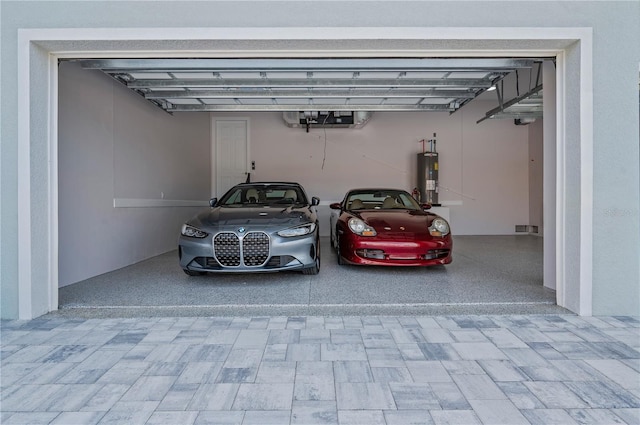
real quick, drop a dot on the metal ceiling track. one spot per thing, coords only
(340, 84)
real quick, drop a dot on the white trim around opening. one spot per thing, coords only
(67, 37)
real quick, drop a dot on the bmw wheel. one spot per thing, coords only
(315, 269)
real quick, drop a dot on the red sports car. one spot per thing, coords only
(388, 227)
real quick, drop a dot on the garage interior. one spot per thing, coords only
(140, 151)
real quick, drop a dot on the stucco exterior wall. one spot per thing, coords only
(600, 207)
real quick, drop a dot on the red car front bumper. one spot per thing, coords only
(371, 251)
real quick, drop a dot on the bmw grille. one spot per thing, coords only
(251, 250)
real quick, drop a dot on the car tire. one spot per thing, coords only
(341, 262)
(315, 269)
(192, 272)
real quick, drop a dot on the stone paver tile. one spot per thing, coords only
(303, 352)
(179, 417)
(391, 374)
(78, 418)
(555, 395)
(28, 398)
(124, 372)
(364, 396)
(520, 395)
(283, 336)
(209, 417)
(630, 416)
(314, 391)
(478, 351)
(411, 352)
(502, 370)
(437, 336)
(468, 335)
(149, 388)
(251, 339)
(428, 371)
(596, 416)
(346, 336)
(438, 351)
(334, 352)
(603, 395)
(618, 372)
(105, 398)
(274, 417)
(384, 354)
(31, 418)
(363, 417)
(178, 398)
(206, 353)
(454, 417)
(546, 351)
(414, 396)
(498, 412)
(525, 357)
(544, 373)
(222, 337)
(408, 335)
(478, 387)
(315, 336)
(275, 353)
(314, 412)
(130, 413)
(214, 397)
(449, 396)
(427, 322)
(549, 416)
(314, 371)
(17, 372)
(463, 367)
(244, 358)
(504, 338)
(230, 375)
(408, 417)
(352, 371)
(276, 372)
(264, 397)
(165, 369)
(199, 373)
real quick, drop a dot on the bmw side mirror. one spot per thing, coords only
(212, 202)
(335, 206)
(315, 201)
(426, 206)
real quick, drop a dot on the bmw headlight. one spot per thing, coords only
(361, 228)
(439, 227)
(297, 231)
(193, 232)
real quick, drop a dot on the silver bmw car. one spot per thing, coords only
(254, 227)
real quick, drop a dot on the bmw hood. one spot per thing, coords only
(252, 218)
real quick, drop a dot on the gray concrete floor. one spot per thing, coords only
(489, 275)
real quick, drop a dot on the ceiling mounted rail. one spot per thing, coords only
(359, 84)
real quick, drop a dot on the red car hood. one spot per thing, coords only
(399, 223)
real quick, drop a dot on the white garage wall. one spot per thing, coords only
(483, 167)
(116, 145)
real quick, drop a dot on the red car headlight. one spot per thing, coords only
(439, 227)
(361, 228)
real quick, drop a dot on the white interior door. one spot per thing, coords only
(232, 153)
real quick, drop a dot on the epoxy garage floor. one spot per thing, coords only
(489, 275)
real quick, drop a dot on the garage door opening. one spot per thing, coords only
(490, 184)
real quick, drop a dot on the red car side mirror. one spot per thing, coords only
(335, 206)
(426, 206)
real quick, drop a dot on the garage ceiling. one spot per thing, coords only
(306, 85)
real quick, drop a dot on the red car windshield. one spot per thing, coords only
(381, 200)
